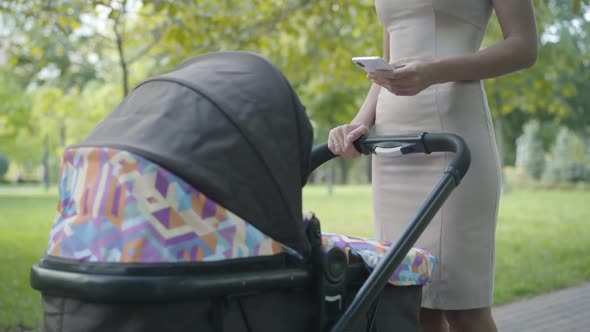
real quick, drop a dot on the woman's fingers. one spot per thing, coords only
(357, 130)
(340, 139)
(333, 144)
(391, 83)
(404, 72)
(382, 74)
(397, 87)
(336, 140)
(357, 133)
(349, 150)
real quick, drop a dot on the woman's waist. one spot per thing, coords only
(455, 88)
(441, 102)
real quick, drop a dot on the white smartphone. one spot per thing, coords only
(371, 63)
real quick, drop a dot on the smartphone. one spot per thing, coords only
(371, 63)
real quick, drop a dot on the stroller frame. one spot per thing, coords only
(326, 275)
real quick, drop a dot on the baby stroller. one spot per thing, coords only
(181, 211)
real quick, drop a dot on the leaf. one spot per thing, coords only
(37, 52)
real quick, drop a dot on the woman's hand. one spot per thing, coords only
(340, 139)
(411, 75)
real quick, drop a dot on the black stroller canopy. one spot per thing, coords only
(229, 124)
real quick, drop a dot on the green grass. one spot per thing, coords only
(347, 211)
(542, 238)
(25, 221)
(542, 242)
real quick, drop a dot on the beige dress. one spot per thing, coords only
(462, 234)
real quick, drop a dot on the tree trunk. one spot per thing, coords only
(122, 63)
(330, 184)
(62, 135)
(45, 160)
(119, 39)
(369, 168)
(344, 167)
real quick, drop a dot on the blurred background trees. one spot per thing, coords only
(65, 64)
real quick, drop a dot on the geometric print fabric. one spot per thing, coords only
(118, 207)
(416, 268)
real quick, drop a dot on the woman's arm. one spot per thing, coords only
(340, 138)
(517, 51)
(366, 114)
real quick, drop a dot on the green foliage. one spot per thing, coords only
(15, 118)
(311, 41)
(4, 163)
(552, 90)
(515, 179)
(93, 52)
(533, 158)
(568, 160)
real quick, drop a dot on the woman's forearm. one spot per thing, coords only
(508, 56)
(366, 114)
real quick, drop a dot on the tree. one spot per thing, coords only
(534, 155)
(544, 91)
(86, 48)
(47, 118)
(14, 118)
(311, 41)
(83, 37)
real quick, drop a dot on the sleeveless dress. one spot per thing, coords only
(462, 234)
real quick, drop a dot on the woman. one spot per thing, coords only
(435, 87)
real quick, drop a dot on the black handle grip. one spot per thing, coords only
(422, 143)
(322, 154)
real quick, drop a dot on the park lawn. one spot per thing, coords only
(541, 241)
(25, 221)
(542, 237)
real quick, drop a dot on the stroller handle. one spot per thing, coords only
(388, 146)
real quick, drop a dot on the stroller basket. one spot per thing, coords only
(327, 275)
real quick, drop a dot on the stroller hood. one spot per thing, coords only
(229, 124)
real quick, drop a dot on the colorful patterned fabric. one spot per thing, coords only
(416, 268)
(118, 207)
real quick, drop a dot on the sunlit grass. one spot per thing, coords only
(542, 239)
(24, 228)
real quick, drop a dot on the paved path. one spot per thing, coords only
(565, 310)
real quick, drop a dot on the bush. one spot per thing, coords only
(568, 160)
(534, 155)
(514, 178)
